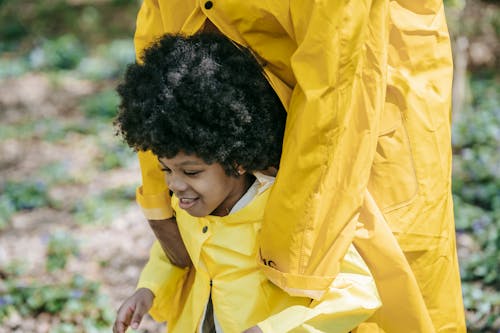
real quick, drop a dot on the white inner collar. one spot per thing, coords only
(262, 182)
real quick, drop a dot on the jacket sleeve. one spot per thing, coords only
(153, 196)
(330, 141)
(164, 280)
(350, 299)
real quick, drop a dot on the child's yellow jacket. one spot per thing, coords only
(225, 259)
(366, 154)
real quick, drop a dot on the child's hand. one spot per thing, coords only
(132, 310)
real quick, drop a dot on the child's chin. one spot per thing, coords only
(196, 213)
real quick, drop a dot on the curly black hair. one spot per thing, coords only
(202, 95)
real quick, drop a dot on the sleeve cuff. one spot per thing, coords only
(166, 300)
(173, 275)
(155, 206)
(298, 285)
(153, 287)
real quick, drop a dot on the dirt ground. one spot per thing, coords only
(122, 244)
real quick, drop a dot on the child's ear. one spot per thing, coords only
(240, 170)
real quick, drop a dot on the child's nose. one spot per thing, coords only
(176, 184)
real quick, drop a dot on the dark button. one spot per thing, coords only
(209, 4)
(205, 228)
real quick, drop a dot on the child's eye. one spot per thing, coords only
(165, 169)
(191, 172)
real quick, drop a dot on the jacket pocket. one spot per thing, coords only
(393, 182)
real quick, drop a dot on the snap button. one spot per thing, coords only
(205, 229)
(209, 4)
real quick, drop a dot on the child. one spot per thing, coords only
(203, 106)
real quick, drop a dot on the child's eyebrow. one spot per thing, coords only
(189, 163)
(185, 163)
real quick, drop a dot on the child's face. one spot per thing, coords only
(202, 189)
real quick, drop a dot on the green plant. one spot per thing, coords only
(21, 195)
(454, 3)
(13, 67)
(484, 307)
(24, 23)
(54, 172)
(114, 154)
(101, 106)
(48, 129)
(25, 195)
(60, 247)
(476, 184)
(64, 52)
(7, 209)
(77, 303)
(109, 60)
(101, 208)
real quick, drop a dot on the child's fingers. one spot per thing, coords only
(119, 327)
(132, 310)
(139, 312)
(123, 319)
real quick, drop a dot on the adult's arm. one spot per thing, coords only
(330, 140)
(168, 235)
(157, 209)
(153, 196)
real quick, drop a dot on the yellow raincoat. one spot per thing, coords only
(225, 259)
(366, 156)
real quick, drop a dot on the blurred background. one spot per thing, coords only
(72, 241)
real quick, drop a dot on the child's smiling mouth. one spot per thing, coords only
(186, 203)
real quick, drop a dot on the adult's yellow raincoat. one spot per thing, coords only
(366, 156)
(225, 256)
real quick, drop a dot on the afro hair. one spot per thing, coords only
(202, 95)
